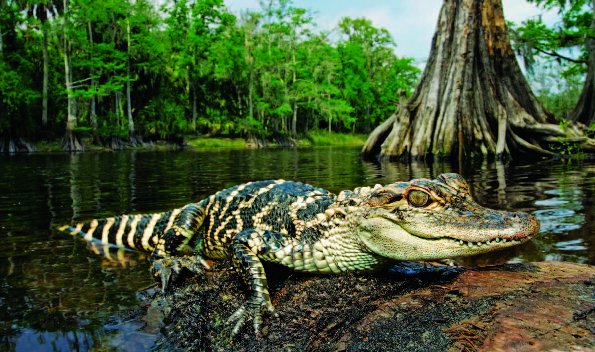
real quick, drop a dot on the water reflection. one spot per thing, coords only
(55, 294)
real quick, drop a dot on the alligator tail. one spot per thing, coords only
(139, 232)
(159, 233)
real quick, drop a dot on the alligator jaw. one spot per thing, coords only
(387, 238)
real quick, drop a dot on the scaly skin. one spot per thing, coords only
(312, 230)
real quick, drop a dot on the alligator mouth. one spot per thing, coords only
(497, 240)
(503, 240)
(494, 241)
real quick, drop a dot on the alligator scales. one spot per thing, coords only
(309, 229)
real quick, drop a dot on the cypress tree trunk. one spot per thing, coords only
(194, 109)
(131, 136)
(294, 120)
(70, 142)
(46, 73)
(472, 99)
(93, 112)
(584, 111)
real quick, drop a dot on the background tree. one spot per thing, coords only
(367, 58)
(473, 99)
(16, 74)
(116, 72)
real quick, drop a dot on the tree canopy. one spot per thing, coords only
(116, 70)
(568, 43)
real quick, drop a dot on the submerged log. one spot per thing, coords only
(472, 100)
(529, 307)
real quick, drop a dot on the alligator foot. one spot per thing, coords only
(167, 270)
(252, 310)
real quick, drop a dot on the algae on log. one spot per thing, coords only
(472, 98)
(529, 307)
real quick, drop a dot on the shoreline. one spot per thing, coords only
(314, 139)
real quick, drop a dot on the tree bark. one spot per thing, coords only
(294, 120)
(194, 109)
(472, 100)
(94, 88)
(128, 98)
(71, 142)
(46, 74)
(584, 111)
(250, 61)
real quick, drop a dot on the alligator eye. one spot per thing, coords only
(418, 198)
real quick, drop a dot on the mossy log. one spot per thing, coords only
(412, 307)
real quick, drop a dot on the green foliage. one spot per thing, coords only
(193, 67)
(557, 94)
(372, 75)
(534, 38)
(591, 131)
(16, 73)
(217, 143)
(555, 56)
(567, 148)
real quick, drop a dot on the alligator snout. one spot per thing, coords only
(529, 228)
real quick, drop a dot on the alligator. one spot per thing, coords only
(309, 229)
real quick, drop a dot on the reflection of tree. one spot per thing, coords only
(501, 191)
(75, 194)
(52, 289)
(396, 171)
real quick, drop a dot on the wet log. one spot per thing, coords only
(412, 307)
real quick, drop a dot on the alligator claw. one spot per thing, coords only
(167, 270)
(253, 310)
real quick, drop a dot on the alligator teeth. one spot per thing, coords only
(504, 240)
(471, 244)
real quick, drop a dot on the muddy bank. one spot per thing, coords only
(514, 307)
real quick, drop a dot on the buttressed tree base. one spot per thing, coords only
(472, 100)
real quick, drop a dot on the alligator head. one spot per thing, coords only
(437, 219)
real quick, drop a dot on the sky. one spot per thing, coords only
(411, 22)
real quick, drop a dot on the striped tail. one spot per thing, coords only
(140, 232)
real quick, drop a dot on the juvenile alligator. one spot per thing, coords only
(310, 229)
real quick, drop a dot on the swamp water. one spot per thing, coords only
(57, 295)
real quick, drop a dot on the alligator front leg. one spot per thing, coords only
(248, 248)
(173, 250)
(167, 270)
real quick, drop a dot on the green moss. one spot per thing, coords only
(322, 138)
(48, 146)
(217, 143)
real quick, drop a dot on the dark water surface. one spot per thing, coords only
(57, 295)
